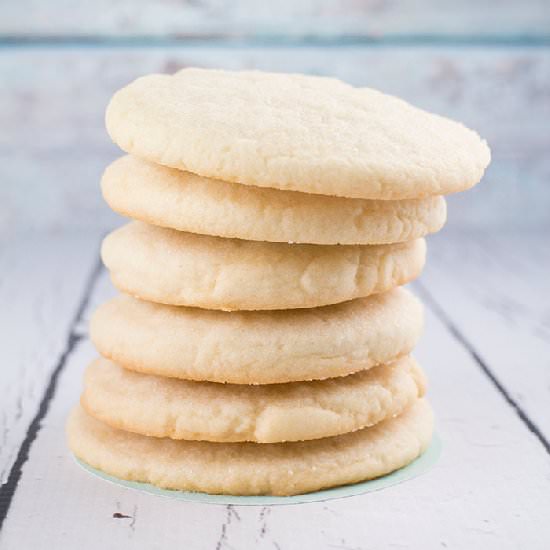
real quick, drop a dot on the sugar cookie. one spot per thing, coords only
(256, 347)
(205, 411)
(187, 202)
(253, 468)
(296, 132)
(178, 268)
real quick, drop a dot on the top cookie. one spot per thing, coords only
(294, 132)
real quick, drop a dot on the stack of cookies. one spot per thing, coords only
(261, 343)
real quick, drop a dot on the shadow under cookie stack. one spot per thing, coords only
(261, 344)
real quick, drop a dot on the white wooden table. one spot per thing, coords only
(486, 351)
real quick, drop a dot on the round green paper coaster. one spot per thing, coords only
(416, 468)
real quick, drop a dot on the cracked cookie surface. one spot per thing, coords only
(205, 411)
(179, 268)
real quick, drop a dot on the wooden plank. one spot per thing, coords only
(480, 494)
(495, 290)
(39, 287)
(503, 93)
(325, 18)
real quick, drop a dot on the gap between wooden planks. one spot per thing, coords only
(493, 290)
(480, 487)
(40, 280)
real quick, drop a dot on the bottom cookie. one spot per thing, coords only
(252, 468)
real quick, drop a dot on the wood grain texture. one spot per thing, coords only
(55, 146)
(325, 18)
(495, 289)
(480, 494)
(40, 281)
